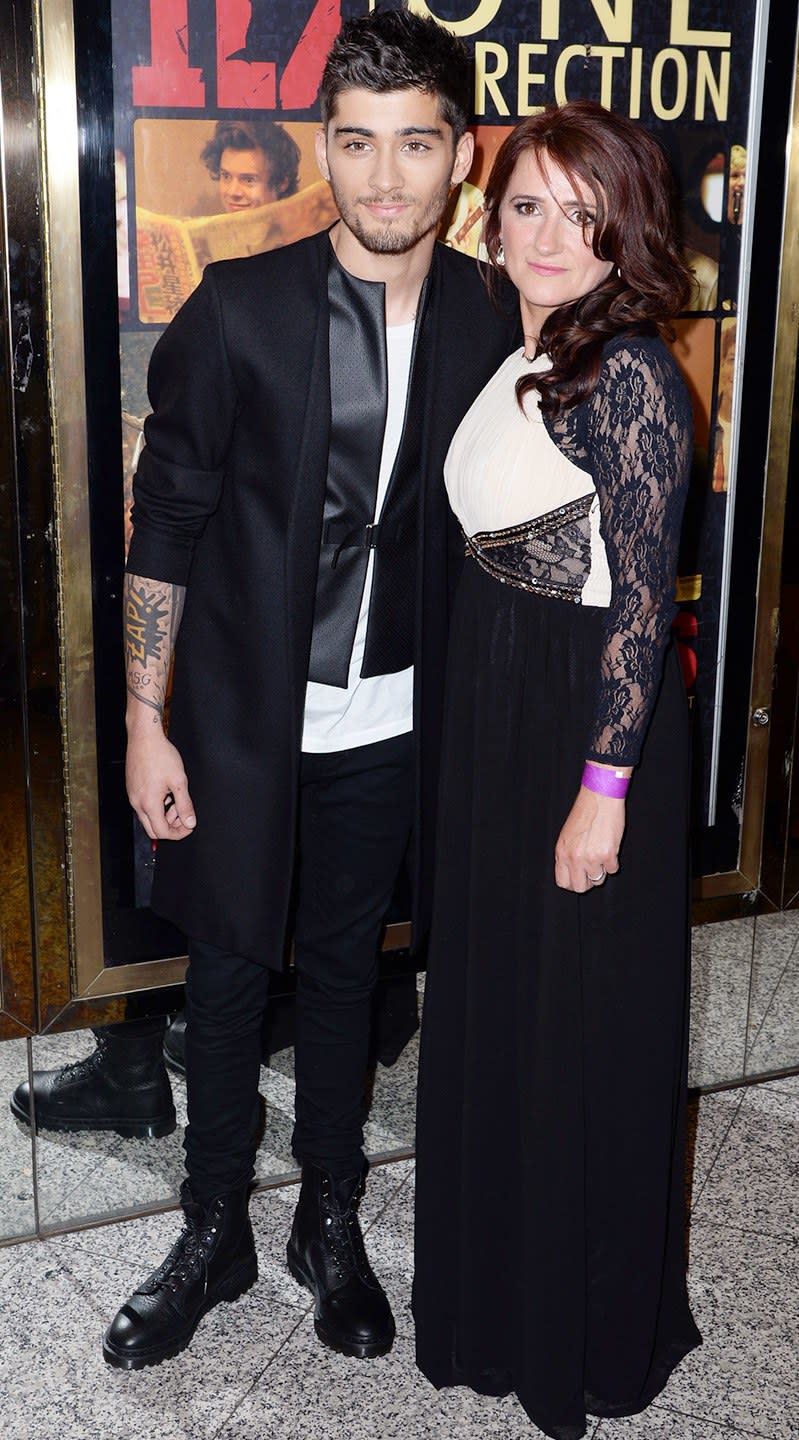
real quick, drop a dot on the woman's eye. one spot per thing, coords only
(526, 207)
(583, 217)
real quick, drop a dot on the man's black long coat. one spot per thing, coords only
(228, 501)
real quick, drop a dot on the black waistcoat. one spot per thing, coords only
(359, 398)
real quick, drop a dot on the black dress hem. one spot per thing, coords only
(498, 1385)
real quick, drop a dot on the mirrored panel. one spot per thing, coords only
(721, 961)
(17, 1203)
(772, 1037)
(745, 1019)
(90, 1172)
(110, 1104)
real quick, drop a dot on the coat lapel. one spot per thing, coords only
(305, 522)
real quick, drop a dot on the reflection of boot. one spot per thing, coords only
(122, 1086)
(175, 1044)
(326, 1254)
(213, 1259)
(278, 1033)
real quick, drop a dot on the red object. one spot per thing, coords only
(299, 83)
(240, 84)
(686, 628)
(168, 79)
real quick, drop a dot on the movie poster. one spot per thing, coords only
(215, 112)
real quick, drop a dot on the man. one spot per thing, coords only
(291, 533)
(254, 161)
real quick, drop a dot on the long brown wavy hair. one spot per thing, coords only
(629, 179)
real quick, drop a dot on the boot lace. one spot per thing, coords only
(357, 1248)
(88, 1066)
(344, 1236)
(188, 1258)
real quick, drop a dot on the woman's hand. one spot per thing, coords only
(587, 849)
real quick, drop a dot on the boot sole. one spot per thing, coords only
(357, 1349)
(232, 1289)
(155, 1129)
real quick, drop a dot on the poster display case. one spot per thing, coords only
(165, 92)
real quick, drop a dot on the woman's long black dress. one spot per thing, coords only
(550, 1252)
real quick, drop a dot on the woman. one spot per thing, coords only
(550, 1224)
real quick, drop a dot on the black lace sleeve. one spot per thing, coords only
(638, 440)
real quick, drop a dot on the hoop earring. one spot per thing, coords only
(499, 258)
(618, 272)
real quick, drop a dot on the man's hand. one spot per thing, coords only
(587, 849)
(157, 785)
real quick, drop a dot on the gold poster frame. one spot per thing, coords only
(746, 879)
(90, 980)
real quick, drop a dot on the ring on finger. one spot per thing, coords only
(169, 801)
(597, 879)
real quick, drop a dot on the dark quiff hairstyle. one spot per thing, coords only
(280, 150)
(396, 50)
(625, 173)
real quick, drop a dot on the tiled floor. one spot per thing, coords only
(256, 1372)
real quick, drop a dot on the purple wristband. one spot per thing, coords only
(605, 782)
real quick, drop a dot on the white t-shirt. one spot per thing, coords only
(382, 705)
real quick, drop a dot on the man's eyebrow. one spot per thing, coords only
(404, 132)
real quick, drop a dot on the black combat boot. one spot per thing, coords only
(175, 1044)
(122, 1086)
(326, 1254)
(213, 1259)
(278, 1033)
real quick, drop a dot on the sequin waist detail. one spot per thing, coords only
(550, 555)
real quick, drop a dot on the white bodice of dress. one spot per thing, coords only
(504, 469)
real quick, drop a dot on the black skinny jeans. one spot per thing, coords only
(355, 810)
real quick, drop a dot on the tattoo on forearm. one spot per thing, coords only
(147, 617)
(152, 616)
